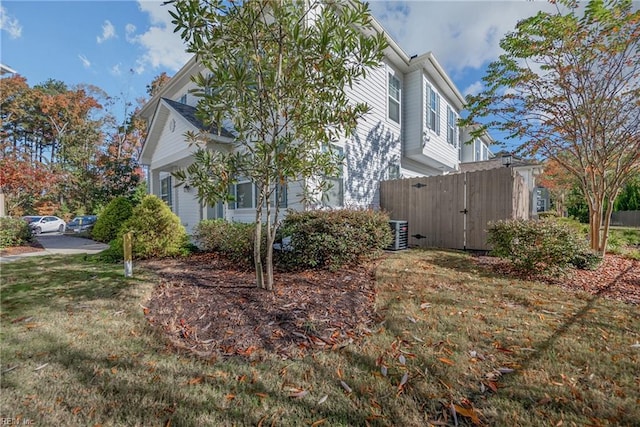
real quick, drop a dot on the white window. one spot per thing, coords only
(243, 194)
(452, 127)
(166, 193)
(433, 110)
(334, 196)
(394, 171)
(394, 98)
(281, 195)
(478, 150)
(485, 152)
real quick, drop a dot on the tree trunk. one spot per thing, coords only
(257, 249)
(270, 238)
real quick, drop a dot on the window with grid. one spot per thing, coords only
(452, 127)
(334, 196)
(433, 110)
(394, 98)
(165, 191)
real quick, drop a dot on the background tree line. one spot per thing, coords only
(63, 150)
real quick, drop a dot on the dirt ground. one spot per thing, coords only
(207, 306)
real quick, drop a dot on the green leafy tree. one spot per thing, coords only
(277, 72)
(569, 86)
(629, 198)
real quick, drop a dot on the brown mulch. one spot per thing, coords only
(615, 278)
(24, 249)
(209, 307)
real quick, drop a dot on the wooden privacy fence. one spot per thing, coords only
(452, 211)
(626, 218)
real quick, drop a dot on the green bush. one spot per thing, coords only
(14, 232)
(157, 232)
(111, 219)
(234, 240)
(547, 214)
(547, 246)
(331, 239)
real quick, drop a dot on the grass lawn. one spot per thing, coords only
(455, 345)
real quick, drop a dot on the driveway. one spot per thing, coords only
(60, 244)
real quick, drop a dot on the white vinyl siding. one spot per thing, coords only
(376, 142)
(394, 98)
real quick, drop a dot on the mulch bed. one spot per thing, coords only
(207, 306)
(24, 249)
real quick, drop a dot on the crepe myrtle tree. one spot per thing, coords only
(568, 84)
(277, 75)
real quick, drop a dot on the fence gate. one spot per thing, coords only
(452, 211)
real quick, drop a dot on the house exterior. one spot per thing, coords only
(411, 130)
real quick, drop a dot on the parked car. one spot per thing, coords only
(44, 224)
(82, 223)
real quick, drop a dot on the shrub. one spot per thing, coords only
(331, 239)
(157, 232)
(540, 245)
(547, 214)
(14, 232)
(111, 220)
(234, 240)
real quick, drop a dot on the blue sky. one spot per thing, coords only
(121, 45)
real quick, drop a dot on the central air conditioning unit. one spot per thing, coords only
(400, 230)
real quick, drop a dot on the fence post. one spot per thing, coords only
(128, 263)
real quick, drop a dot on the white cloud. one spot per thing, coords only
(115, 70)
(85, 62)
(163, 47)
(473, 89)
(10, 24)
(461, 34)
(130, 31)
(108, 32)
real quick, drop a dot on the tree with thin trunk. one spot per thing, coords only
(277, 74)
(568, 85)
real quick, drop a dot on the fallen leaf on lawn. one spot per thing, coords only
(404, 380)
(402, 359)
(262, 395)
(196, 380)
(76, 410)
(383, 370)
(345, 386)
(446, 361)
(505, 370)
(493, 386)
(298, 394)
(230, 396)
(636, 345)
(323, 399)
(40, 367)
(317, 423)
(468, 413)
